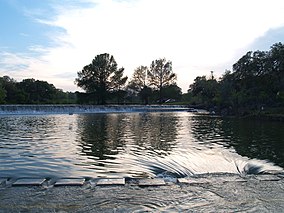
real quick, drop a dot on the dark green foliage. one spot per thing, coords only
(138, 85)
(139, 78)
(156, 84)
(257, 82)
(204, 91)
(36, 91)
(31, 91)
(145, 94)
(117, 85)
(172, 93)
(13, 94)
(2, 93)
(101, 77)
(161, 75)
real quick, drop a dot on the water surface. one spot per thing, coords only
(175, 144)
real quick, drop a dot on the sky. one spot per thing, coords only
(52, 40)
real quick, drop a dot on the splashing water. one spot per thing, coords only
(184, 164)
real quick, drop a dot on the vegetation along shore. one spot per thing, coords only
(253, 88)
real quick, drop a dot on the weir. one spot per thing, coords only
(80, 109)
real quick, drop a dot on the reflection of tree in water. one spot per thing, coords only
(257, 139)
(254, 139)
(207, 130)
(101, 134)
(154, 131)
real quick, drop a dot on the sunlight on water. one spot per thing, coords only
(136, 145)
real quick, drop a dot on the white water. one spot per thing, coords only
(79, 109)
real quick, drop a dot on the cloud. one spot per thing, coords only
(13, 62)
(272, 36)
(198, 36)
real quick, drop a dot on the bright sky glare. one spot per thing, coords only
(52, 40)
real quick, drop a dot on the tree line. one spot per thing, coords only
(255, 82)
(31, 91)
(105, 83)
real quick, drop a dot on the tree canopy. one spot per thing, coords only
(156, 82)
(138, 84)
(160, 75)
(100, 77)
(31, 91)
(256, 82)
(139, 79)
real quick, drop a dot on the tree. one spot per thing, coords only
(117, 83)
(277, 63)
(36, 91)
(138, 83)
(139, 77)
(204, 91)
(172, 92)
(13, 94)
(97, 77)
(259, 77)
(161, 75)
(2, 93)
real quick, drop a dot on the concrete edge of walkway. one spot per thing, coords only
(142, 182)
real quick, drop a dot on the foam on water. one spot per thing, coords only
(79, 109)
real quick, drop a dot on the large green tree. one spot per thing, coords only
(160, 75)
(204, 90)
(259, 77)
(36, 91)
(98, 77)
(138, 83)
(256, 83)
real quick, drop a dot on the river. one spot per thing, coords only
(137, 144)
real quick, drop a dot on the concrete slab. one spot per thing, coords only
(267, 177)
(70, 182)
(29, 182)
(193, 180)
(111, 181)
(151, 182)
(216, 179)
(229, 179)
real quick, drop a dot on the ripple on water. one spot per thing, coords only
(132, 145)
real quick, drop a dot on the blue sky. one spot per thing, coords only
(52, 40)
(19, 28)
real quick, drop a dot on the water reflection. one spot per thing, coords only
(105, 135)
(257, 139)
(251, 138)
(136, 145)
(101, 134)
